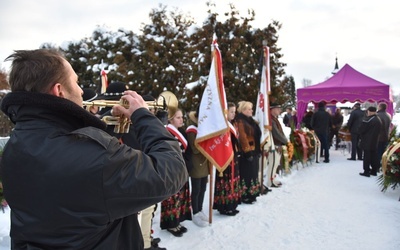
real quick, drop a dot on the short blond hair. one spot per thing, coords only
(242, 105)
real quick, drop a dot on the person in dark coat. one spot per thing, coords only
(321, 122)
(198, 174)
(354, 123)
(369, 131)
(69, 184)
(386, 120)
(114, 92)
(287, 118)
(306, 121)
(337, 121)
(293, 122)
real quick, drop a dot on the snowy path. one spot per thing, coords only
(321, 206)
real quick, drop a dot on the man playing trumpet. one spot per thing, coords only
(69, 184)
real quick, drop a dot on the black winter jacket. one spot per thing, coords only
(386, 121)
(321, 121)
(355, 120)
(70, 185)
(369, 132)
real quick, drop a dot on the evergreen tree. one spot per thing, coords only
(289, 96)
(164, 63)
(111, 51)
(241, 50)
(169, 54)
(3, 80)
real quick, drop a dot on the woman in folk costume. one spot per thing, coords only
(177, 208)
(249, 147)
(198, 174)
(227, 191)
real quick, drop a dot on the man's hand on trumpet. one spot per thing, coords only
(135, 102)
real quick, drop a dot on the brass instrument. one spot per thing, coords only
(166, 101)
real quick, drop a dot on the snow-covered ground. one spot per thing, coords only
(320, 206)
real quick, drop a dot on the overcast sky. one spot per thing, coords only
(363, 33)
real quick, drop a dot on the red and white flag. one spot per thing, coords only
(262, 109)
(213, 135)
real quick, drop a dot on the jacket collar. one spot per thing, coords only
(20, 106)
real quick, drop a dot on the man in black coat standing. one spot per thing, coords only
(369, 131)
(354, 123)
(337, 121)
(386, 120)
(321, 122)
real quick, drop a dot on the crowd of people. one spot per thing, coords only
(370, 129)
(369, 132)
(90, 186)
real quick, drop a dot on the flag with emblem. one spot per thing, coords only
(262, 108)
(213, 137)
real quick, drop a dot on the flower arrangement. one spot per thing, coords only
(391, 166)
(311, 144)
(304, 145)
(290, 149)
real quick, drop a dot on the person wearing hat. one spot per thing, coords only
(177, 208)
(161, 114)
(250, 151)
(287, 118)
(198, 174)
(280, 140)
(147, 214)
(114, 92)
(321, 122)
(369, 132)
(354, 123)
(227, 183)
(386, 120)
(337, 121)
(306, 121)
(88, 96)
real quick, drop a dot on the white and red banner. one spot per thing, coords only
(213, 134)
(262, 109)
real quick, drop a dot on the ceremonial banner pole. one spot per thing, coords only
(213, 139)
(262, 109)
(210, 170)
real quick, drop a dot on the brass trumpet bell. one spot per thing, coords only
(166, 101)
(169, 101)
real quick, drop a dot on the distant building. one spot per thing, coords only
(336, 69)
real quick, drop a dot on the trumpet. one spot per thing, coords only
(166, 101)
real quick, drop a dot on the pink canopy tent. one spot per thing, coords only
(347, 85)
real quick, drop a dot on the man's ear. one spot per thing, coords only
(57, 90)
